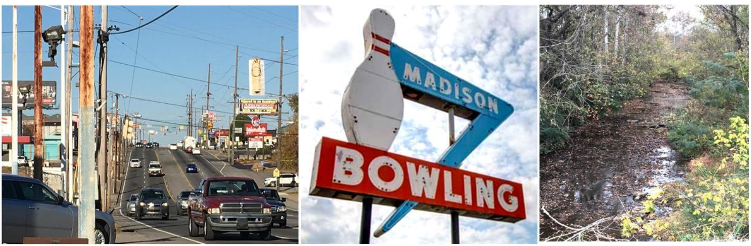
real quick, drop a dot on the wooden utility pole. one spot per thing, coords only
(102, 153)
(206, 119)
(279, 109)
(234, 114)
(86, 133)
(38, 116)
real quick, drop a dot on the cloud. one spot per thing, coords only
(493, 47)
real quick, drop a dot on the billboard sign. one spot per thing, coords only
(255, 142)
(221, 132)
(6, 128)
(258, 106)
(49, 93)
(345, 170)
(257, 77)
(255, 127)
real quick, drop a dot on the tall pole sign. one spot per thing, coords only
(372, 111)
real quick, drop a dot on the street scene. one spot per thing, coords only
(150, 124)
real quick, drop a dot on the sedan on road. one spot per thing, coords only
(135, 163)
(32, 209)
(132, 204)
(182, 201)
(173, 146)
(196, 151)
(191, 168)
(152, 202)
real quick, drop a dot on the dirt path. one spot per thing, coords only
(611, 164)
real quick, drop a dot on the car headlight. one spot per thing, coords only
(267, 210)
(213, 210)
(165, 204)
(184, 202)
(143, 204)
(281, 208)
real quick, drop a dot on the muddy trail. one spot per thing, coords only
(610, 165)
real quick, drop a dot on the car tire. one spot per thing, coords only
(100, 229)
(283, 223)
(265, 234)
(138, 215)
(208, 233)
(292, 184)
(165, 217)
(192, 227)
(244, 234)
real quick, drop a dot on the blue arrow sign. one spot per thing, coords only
(489, 111)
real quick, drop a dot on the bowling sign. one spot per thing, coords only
(349, 171)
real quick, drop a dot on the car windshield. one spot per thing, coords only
(184, 194)
(133, 198)
(134, 160)
(154, 165)
(233, 187)
(270, 194)
(152, 194)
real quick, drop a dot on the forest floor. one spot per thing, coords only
(609, 166)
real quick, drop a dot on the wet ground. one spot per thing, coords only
(610, 165)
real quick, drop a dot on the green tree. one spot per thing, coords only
(289, 136)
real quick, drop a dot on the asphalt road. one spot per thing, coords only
(175, 180)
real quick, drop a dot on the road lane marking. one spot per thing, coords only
(156, 229)
(181, 170)
(212, 165)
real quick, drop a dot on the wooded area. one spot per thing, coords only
(593, 59)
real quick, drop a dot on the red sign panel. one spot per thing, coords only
(348, 171)
(221, 132)
(259, 130)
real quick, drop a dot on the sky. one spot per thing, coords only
(494, 48)
(672, 11)
(182, 42)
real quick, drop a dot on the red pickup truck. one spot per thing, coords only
(228, 204)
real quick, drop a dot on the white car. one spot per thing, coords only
(180, 145)
(22, 160)
(196, 151)
(173, 146)
(135, 163)
(155, 169)
(285, 179)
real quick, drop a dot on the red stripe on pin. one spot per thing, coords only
(379, 49)
(379, 38)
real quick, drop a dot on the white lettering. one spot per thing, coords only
(456, 91)
(492, 105)
(430, 80)
(375, 179)
(479, 100)
(347, 166)
(412, 74)
(422, 180)
(449, 195)
(513, 203)
(467, 97)
(467, 190)
(484, 193)
(445, 86)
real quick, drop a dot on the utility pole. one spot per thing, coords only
(206, 119)
(68, 132)
(190, 113)
(38, 116)
(234, 113)
(63, 101)
(102, 152)
(86, 132)
(14, 97)
(279, 109)
(118, 147)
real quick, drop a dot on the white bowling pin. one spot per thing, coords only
(372, 105)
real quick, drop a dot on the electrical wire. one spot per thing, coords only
(133, 74)
(147, 23)
(172, 74)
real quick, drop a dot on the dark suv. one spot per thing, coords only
(182, 202)
(152, 202)
(278, 208)
(32, 209)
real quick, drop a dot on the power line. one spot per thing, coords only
(261, 19)
(135, 61)
(147, 23)
(152, 63)
(134, 13)
(172, 74)
(280, 17)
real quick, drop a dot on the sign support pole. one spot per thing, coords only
(454, 213)
(367, 212)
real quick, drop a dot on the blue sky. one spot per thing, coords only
(183, 42)
(492, 47)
